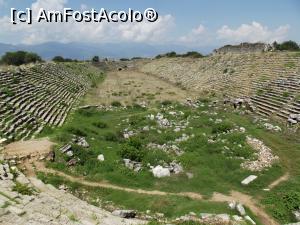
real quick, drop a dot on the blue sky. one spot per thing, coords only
(189, 22)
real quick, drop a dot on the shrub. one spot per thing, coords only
(291, 200)
(166, 102)
(286, 94)
(7, 91)
(77, 131)
(130, 152)
(100, 124)
(116, 104)
(23, 189)
(222, 127)
(109, 136)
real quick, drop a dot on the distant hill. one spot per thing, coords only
(86, 51)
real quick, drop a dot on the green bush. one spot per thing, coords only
(116, 104)
(130, 152)
(100, 124)
(109, 136)
(222, 127)
(23, 189)
(77, 131)
(291, 200)
(166, 102)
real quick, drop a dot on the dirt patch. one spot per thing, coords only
(130, 87)
(25, 148)
(283, 178)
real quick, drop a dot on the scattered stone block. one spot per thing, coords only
(241, 210)
(248, 180)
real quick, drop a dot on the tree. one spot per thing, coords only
(287, 45)
(20, 57)
(58, 59)
(95, 59)
(31, 57)
(193, 54)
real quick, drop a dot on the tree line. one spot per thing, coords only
(22, 57)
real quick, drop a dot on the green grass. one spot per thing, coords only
(171, 206)
(290, 65)
(213, 168)
(23, 189)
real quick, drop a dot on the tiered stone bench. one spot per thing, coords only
(34, 97)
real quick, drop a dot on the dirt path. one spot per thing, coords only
(246, 200)
(129, 86)
(44, 146)
(249, 202)
(283, 178)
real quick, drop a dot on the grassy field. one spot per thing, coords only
(213, 169)
(171, 206)
(129, 87)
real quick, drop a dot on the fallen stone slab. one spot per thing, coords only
(241, 210)
(248, 180)
(248, 218)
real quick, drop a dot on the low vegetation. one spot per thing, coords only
(214, 166)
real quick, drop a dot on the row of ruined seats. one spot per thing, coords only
(35, 98)
(279, 97)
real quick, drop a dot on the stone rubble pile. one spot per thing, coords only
(69, 151)
(133, 165)
(168, 148)
(265, 157)
(294, 119)
(271, 127)
(166, 170)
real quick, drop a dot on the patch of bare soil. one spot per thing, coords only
(129, 86)
(26, 148)
(281, 179)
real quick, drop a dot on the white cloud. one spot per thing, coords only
(2, 2)
(199, 36)
(83, 32)
(254, 32)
